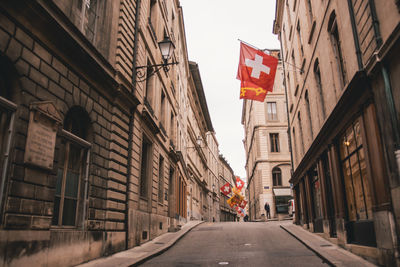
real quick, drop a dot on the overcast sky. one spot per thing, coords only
(213, 28)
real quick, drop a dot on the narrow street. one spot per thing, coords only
(238, 244)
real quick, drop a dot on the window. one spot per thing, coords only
(308, 108)
(309, 9)
(271, 111)
(161, 180)
(274, 140)
(317, 76)
(295, 71)
(145, 168)
(294, 143)
(150, 85)
(84, 13)
(153, 18)
(301, 133)
(276, 176)
(172, 128)
(299, 37)
(334, 32)
(163, 112)
(71, 183)
(359, 202)
(8, 75)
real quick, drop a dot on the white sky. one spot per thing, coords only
(213, 28)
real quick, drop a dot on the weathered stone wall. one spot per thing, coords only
(43, 75)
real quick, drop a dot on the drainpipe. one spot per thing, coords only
(287, 109)
(355, 35)
(388, 86)
(86, 189)
(131, 120)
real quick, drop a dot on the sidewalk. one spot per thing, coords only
(139, 254)
(331, 253)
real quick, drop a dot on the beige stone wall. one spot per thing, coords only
(259, 159)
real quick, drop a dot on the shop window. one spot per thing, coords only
(72, 177)
(354, 166)
(316, 199)
(276, 176)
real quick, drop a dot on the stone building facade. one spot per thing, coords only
(343, 120)
(92, 139)
(198, 127)
(267, 151)
(213, 163)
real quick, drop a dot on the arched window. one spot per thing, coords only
(337, 46)
(276, 176)
(318, 80)
(72, 173)
(8, 76)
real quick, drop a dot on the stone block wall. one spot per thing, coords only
(42, 75)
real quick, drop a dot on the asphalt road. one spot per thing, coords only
(237, 244)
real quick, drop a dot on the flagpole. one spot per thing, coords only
(252, 45)
(266, 49)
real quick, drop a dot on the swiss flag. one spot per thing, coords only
(256, 72)
(226, 189)
(239, 183)
(243, 204)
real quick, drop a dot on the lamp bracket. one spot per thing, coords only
(141, 73)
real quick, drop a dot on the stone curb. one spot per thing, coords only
(327, 251)
(140, 254)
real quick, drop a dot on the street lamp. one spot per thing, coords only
(167, 48)
(199, 143)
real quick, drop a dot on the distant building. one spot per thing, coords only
(267, 151)
(225, 175)
(198, 148)
(342, 78)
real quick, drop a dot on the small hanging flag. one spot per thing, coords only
(226, 189)
(243, 204)
(256, 72)
(239, 183)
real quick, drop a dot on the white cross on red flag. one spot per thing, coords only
(239, 183)
(256, 72)
(226, 189)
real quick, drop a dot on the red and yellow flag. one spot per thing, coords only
(256, 72)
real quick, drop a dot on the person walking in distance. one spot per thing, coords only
(267, 209)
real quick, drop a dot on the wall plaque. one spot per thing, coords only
(44, 121)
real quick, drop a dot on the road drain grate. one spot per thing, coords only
(325, 245)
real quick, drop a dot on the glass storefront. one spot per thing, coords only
(360, 228)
